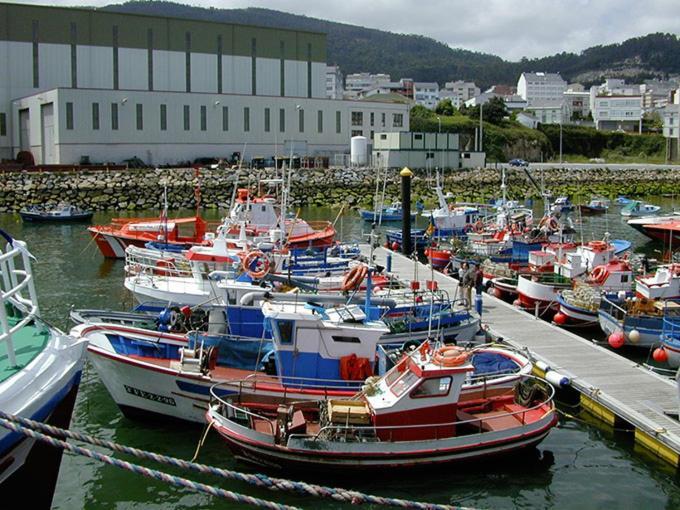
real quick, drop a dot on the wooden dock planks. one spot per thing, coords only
(618, 385)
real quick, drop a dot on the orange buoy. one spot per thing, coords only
(660, 355)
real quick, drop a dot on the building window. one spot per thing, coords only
(382, 119)
(149, 56)
(114, 116)
(357, 132)
(187, 60)
(266, 120)
(372, 134)
(301, 120)
(140, 116)
(372, 119)
(282, 68)
(95, 116)
(282, 120)
(338, 122)
(74, 56)
(3, 124)
(253, 66)
(309, 70)
(219, 64)
(225, 118)
(114, 45)
(187, 119)
(69, 115)
(204, 118)
(357, 118)
(398, 119)
(246, 119)
(319, 121)
(36, 64)
(164, 117)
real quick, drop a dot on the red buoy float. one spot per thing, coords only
(660, 355)
(560, 319)
(616, 340)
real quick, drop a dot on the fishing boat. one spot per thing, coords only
(663, 228)
(595, 206)
(637, 208)
(561, 205)
(419, 239)
(579, 305)
(57, 214)
(621, 200)
(391, 213)
(670, 336)
(313, 352)
(40, 369)
(415, 415)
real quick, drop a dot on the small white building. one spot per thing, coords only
(426, 94)
(423, 150)
(541, 87)
(355, 83)
(548, 112)
(513, 102)
(454, 97)
(334, 83)
(576, 105)
(527, 119)
(671, 126)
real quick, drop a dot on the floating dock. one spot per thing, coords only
(618, 391)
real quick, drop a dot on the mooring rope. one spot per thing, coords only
(141, 470)
(258, 480)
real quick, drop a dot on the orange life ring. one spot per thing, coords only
(354, 277)
(599, 274)
(250, 258)
(598, 245)
(450, 356)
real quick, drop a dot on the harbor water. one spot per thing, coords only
(582, 463)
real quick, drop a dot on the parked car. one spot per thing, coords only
(518, 162)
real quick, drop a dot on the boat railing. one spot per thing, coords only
(240, 410)
(670, 332)
(479, 422)
(608, 306)
(16, 278)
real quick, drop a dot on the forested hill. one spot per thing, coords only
(358, 49)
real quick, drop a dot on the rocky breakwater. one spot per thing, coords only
(143, 189)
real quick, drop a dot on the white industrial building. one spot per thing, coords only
(110, 86)
(423, 150)
(541, 87)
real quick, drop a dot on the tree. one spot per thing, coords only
(420, 112)
(494, 111)
(445, 107)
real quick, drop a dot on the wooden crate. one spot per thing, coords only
(348, 412)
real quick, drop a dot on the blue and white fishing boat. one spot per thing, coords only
(40, 369)
(60, 213)
(637, 208)
(621, 200)
(392, 213)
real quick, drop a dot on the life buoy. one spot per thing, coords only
(450, 356)
(598, 245)
(354, 277)
(599, 275)
(262, 262)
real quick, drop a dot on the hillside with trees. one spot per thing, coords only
(358, 49)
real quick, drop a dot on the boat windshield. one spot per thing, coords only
(404, 383)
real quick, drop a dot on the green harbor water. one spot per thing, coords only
(581, 464)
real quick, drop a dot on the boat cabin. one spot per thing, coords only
(585, 258)
(181, 230)
(664, 284)
(312, 342)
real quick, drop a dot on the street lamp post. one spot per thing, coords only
(560, 138)
(481, 127)
(439, 120)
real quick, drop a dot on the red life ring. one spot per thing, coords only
(599, 274)
(450, 356)
(598, 245)
(354, 278)
(252, 257)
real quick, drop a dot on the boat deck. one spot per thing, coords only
(28, 343)
(617, 390)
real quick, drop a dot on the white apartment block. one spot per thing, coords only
(426, 94)
(357, 82)
(576, 105)
(454, 97)
(671, 126)
(541, 87)
(109, 86)
(463, 89)
(547, 112)
(334, 85)
(615, 112)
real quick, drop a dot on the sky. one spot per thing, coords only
(511, 29)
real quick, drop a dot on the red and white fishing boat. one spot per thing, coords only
(114, 238)
(663, 228)
(415, 415)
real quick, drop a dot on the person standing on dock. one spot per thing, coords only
(479, 279)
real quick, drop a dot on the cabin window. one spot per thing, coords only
(285, 331)
(438, 387)
(404, 383)
(346, 339)
(394, 374)
(624, 278)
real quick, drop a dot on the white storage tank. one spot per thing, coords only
(358, 153)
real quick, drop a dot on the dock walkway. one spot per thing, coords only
(615, 389)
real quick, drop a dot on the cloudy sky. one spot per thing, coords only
(508, 28)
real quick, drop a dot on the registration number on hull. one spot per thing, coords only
(150, 396)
